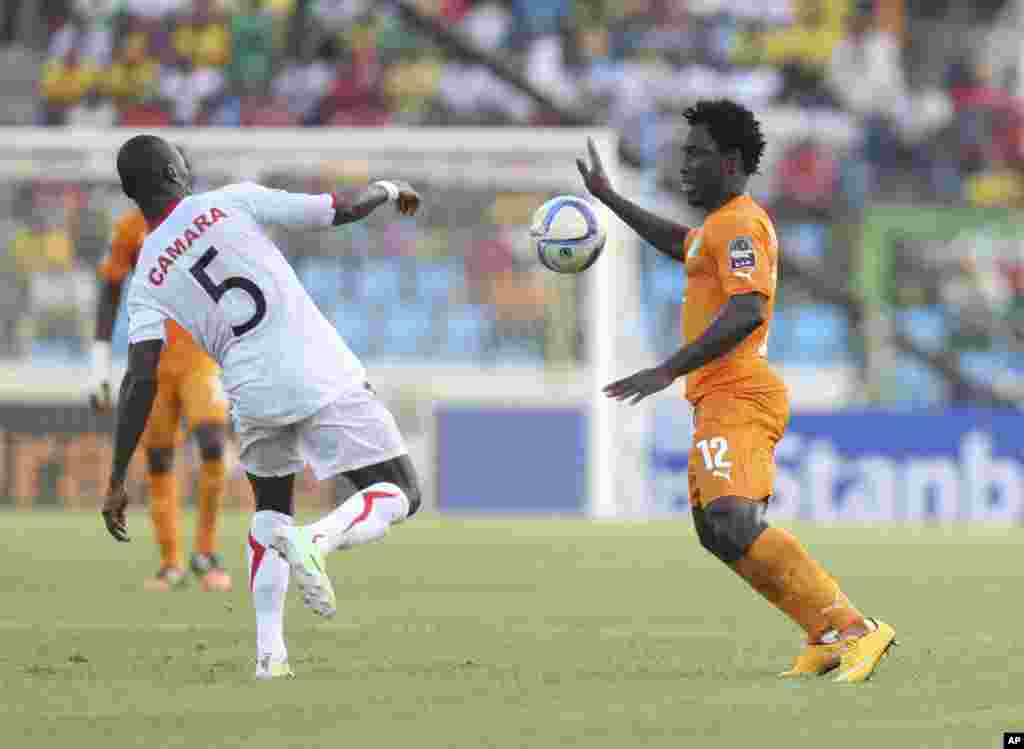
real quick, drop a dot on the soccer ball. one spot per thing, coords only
(567, 233)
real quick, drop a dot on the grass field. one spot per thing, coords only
(504, 633)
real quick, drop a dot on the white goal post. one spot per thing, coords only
(507, 160)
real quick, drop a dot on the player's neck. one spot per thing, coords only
(156, 208)
(729, 193)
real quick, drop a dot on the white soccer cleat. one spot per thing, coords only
(306, 560)
(267, 668)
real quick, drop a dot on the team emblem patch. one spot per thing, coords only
(741, 253)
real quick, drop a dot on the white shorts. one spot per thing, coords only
(355, 431)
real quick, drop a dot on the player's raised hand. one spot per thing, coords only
(114, 513)
(408, 199)
(638, 386)
(594, 176)
(100, 398)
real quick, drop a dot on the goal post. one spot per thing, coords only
(480, 187)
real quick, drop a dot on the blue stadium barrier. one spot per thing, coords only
(476, 475)
(407, 331)
(381, 282)
(521, 351)
(925, 325)
(322, 278)
(667, 283)
(873, 465)
(353, 324)
(820, 334)
(915, 384)
(469, 329)
(982, 366)
(434, 281)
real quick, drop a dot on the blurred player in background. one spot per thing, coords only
(741, 406)
(189, 387)
(298, 394)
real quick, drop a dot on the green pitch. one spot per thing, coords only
(504, 633)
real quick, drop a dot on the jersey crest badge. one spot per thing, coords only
(741, 253)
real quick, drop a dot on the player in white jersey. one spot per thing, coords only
(298, 394)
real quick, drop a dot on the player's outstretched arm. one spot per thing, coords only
(138, 390)
(106, 315)
(666, 236)
(400, 193)
(740, 317)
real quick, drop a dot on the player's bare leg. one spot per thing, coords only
(206, 563)
(163, 509)
(777, 565)
(269, 572)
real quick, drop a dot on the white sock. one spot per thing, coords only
(268, 582)
(362, 518)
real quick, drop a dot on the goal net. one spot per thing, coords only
(448, 309)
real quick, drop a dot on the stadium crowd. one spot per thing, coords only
(952, 138)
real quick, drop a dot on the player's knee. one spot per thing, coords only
(412, 493)
(161, 459)
(398, 471)
(210, 438)
(728, 526)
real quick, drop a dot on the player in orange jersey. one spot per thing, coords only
(189, 386)
(741, 407)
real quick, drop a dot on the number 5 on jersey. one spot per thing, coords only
(714, 452)
(218, 290)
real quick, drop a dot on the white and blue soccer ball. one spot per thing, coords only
(568, 234)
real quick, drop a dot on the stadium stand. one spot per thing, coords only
(945, 129)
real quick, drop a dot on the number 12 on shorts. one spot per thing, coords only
(714, 452)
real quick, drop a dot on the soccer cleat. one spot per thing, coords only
(166, 578)
(210, 571)
(267, 668)
(864, 652)
(306, 560)
(816, 659)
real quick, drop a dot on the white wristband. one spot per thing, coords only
(390, 188)
(101, 359)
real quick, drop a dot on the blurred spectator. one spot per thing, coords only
(356, 96)
(154, 10)
(806, 177)
(66, 82)
(866, 77)
(412, 85)
(203, 37)
(306, 81)
(335, 16)
(252, 48)
(134, 76)
(189, 89)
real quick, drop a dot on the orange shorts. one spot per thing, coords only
(734, 440)
(197, 396)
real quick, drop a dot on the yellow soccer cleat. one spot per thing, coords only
(816, 659)
(863, 653)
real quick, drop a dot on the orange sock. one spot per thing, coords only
(211, 491)
(163, 508)
(779, 567)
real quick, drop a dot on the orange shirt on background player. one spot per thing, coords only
(735, 251)
(181, 354)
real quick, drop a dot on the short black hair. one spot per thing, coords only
(730, 126)
(142, 163)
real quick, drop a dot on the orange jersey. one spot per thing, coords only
(735, 251)
(181, 354)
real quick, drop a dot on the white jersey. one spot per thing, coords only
(210, 267)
